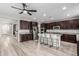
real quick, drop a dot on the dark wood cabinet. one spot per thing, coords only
(24, 24)
(77, 48)
(77, 24)
(27, 25)
(63, 25)
(34, 24)
(25, 37)
(47, 26)
(71, 24)
(67, 24)
(69, 38)
(43, 25)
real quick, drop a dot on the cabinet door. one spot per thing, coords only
(25, 37)
(48, 26)
(62, 25)
(24, 25)
(77, 24)
(29, 37)
(77, 48)
(69, 38)
(22, 38)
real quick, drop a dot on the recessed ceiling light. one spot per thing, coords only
(64, 8)
(68, 14)
(34, 18)
(44, 14)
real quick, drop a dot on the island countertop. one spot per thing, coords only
(52, 33)
(72, 32)
(61, 31)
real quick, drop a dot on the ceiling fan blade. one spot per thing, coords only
(21, 12)
(29, 13)
(32, 10)
(16, 8)
(23, 5)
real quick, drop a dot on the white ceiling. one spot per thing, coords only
(45, 11)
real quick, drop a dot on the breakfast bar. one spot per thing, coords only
(55, 37)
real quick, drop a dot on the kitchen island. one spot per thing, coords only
(56, 34)
(70, 32)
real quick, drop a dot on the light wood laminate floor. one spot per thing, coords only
(11, 47)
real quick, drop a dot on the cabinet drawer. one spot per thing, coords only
(25, 37)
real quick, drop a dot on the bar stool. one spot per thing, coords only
(51, 40)
(39, 37)
(42, 38)
(47, 38)
(56, 40)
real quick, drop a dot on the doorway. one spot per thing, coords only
(15, 30)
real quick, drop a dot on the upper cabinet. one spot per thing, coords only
(68, 24)
(43, 25)
(25, 24)
(34, 24)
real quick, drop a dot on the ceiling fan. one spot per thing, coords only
(24, 9)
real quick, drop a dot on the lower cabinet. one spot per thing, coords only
(69, 38)
(77, 48)
(25, 37)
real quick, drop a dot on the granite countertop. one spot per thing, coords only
(53, 32)
(72, 32)
(25, 33)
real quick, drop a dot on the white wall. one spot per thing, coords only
(6, 25)
(5, 28)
